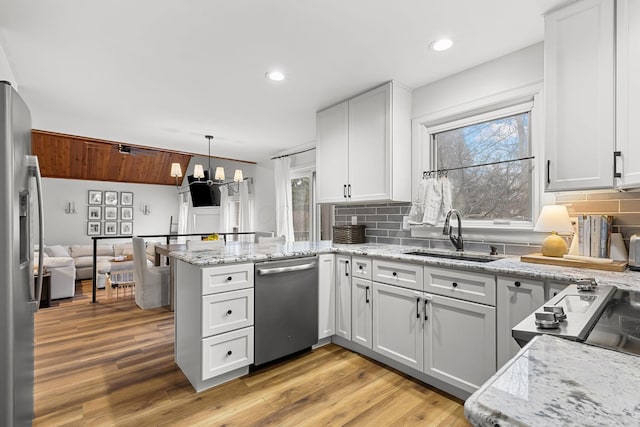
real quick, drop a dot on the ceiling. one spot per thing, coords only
(163, 73)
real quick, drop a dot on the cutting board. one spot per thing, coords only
(540, 259)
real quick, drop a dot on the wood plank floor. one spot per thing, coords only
(112, 364)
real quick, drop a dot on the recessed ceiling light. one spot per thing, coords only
(440, 45)
(276, 76)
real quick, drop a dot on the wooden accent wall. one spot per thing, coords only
(75, 157)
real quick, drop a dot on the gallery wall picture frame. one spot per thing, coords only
(111, 198)
(94, 213)
(110, 228)
(93, 228)
(126, 198)
(110, 213)
(126, 228)
(126, 213)
(95, 197)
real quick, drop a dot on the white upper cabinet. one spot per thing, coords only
(579, 90)
(628, 93)
(364, 147)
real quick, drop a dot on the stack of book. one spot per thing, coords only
(594, 235)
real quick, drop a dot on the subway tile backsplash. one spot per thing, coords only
(383, 223)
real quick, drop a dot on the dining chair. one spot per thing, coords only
(151, 283)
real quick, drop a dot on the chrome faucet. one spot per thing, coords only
(456, 240)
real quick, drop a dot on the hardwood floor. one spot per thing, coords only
(112, 364)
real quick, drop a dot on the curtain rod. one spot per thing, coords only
(444, 170)
(293, 154)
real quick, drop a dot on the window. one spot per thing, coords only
(490, 183)
(302, 185)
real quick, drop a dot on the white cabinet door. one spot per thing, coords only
(628, 93)
(361, 311)
(553, 288)
(460, 341)
(579, 92)
(516, 299)
(370, 145)
(397, 324)
(326, 295)
(343, 296)
(332, 153)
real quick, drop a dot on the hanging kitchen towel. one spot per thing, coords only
(433, 200)
(447, 203)
(417, 208)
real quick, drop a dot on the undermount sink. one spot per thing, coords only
(454, 256)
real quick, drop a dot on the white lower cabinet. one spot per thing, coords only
(226, 352)
(397, 324)
(361, 310)
(517, 298)
(460, 341)
(326, 295)
(343, 296)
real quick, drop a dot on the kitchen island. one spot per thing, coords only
(553, 381)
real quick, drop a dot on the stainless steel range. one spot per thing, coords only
(603, 316)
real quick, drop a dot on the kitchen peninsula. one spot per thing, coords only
(430, 286)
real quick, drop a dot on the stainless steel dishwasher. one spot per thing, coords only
(286, 307)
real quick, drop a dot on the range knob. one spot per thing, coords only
(586, 285)
(558, 311)
(546, 320)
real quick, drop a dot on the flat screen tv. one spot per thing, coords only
(203, 194)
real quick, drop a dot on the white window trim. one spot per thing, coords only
(308, 171)
(528, 98)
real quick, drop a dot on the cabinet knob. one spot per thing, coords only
(229, 312)
(229, 353)
(454, 284)
(517, 284)
(359, 267)
(394, 274)
(229, 279)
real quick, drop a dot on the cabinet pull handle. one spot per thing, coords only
(425, 309)
(616, 174)
(517, 284)
(418, 308)
(229, 279)
(454, 284)
(349, 190)
(229, 353)
(548, 171)
(346, 268)
(229, 312)
(366, 294)
(344, 191)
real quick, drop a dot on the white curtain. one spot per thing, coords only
(284, 203)
(246, 216)
(183, 214)
(223, 227)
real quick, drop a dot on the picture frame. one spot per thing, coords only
(93, 228)
(110, 228)
(111, 198)
(126, 228)
(110, 214)
(126, 213)
(95, 197)
(94, 213)
(126, 198)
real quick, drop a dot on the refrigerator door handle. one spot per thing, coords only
(34, 171)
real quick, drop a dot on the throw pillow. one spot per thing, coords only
(56, 250)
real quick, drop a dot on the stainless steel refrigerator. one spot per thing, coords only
(21, 222)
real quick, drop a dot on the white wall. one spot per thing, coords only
(66, 229)
(515, 70)
(5, 69)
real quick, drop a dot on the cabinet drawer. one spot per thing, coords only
(227, 278)
(226, 352)
(361, 267)
(466, 285)
(227, 311)
(399, 274)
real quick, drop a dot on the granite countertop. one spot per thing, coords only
(234, 252)
(553, 381)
